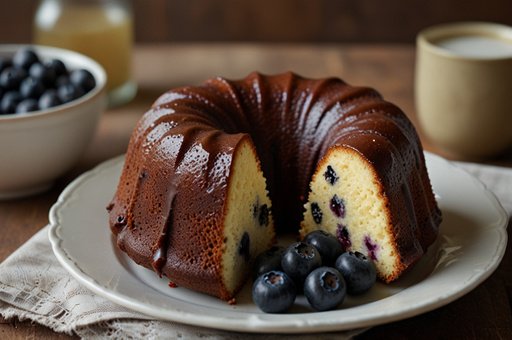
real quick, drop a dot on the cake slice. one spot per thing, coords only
(349, 199)
(248, 223)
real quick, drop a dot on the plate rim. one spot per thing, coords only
(256, 323)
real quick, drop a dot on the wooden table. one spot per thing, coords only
(483, 313)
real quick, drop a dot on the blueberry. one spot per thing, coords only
(316, 212)
(62, 80)
(83, 79)
(11, 77)
(337, 206)
(58, 67)
(298, 260)
(358, 271)
(27, 105)
(263, 215)
(274, 292)
(9, 102)
(372, 247)
(49, 99)
(343, 236)
(31, 88)
(330, 175)
(24, 58)
(327, 245)
(45, 74)
(69, 92)
(325, 288)
(255, 210)
(244, 247)
(268, 260)
(5, 63)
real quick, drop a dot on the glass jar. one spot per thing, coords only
(100, 29)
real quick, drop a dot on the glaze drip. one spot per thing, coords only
(120, 222)
(162, 244)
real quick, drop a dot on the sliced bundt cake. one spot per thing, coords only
(210, 169)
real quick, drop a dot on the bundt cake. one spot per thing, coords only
(211, 169)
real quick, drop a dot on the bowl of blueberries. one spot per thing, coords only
(51, 100)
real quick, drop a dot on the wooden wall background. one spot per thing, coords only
(278, 20)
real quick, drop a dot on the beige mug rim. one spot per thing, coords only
(427, 37)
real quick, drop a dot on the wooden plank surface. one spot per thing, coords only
(278, 21)
(483, 313)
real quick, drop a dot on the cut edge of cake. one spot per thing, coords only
(347, 200)
(248, 224)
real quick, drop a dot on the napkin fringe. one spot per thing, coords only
(54, 322)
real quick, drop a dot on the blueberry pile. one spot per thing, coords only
(29, 84)
(318, 267)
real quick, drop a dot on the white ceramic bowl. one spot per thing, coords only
(38, 147)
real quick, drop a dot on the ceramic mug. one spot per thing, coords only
(463, 88)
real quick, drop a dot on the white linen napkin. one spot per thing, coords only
(33, 286)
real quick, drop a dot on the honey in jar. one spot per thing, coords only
(100, 29)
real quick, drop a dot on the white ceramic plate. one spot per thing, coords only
(471, 244)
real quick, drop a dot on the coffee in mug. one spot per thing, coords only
(463, 88)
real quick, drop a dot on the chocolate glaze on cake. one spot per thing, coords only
(167, 213)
